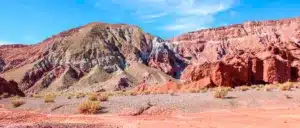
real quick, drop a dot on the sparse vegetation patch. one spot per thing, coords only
(244, 88)
(220, 92)
(89, 107)
(16, 102)
(286, 86)
(92, 97)
(49, 98)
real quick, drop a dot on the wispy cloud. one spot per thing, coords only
(181, 15)
(6, 42)
(153, 16)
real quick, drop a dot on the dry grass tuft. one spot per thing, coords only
(89, 107)
(270, 87)
(204, 90)
(258, 89)
(286, 86)
(193, 90)
(220, 92)
(49, 98)
(69, 97)
(147, 92)
(80, 95)
(296, 85)
(253, 86)
(16, 102)
(244, 88)
(92, 97)
(37, 96)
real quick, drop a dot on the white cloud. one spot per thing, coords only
(6, 42)
(189, 23)
(178, 15)
(153, 16)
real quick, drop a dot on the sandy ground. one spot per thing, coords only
(245, 118)
(251, 109)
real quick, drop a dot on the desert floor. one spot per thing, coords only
(248, 109)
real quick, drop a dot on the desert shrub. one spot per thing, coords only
(120, 93)
(49, 98)
(37, 96)
(253, 86)
(258, 89)
(89, 107)
(296, 85)
(102, 97)
(220, 92)
(244, 88)
(204, 90)
(286, 86)
(269, 88)
(147, 92)
(69, 97)
(109, 93)
(92, 97)
(16, 102)
(192, 90)
(80, 95)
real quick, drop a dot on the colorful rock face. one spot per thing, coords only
(66, 58)
(249, 53)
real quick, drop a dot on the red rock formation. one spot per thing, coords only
(276, 70)
(242, 69)
(256, 71)
(197, 72)
(249, 37)
(222, 75)
(198, 85)
(249, 53)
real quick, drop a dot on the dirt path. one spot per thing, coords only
(245, 118)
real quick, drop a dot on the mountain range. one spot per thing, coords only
(110, 57)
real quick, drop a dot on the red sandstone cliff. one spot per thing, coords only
(249, 53)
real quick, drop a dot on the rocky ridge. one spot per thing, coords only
(69, 56)
(102, 57)
(243, 54)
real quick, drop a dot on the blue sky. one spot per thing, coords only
(31, 21)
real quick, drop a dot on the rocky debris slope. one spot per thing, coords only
(9, 87)
(249, 53)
